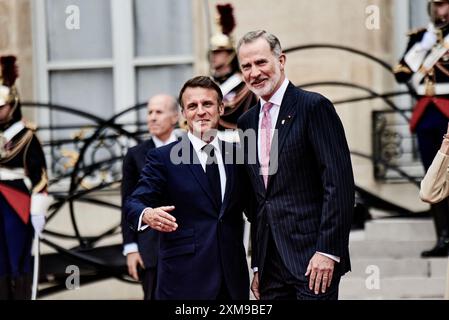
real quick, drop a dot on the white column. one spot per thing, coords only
(40, 63)
(123, 55)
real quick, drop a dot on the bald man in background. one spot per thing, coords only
(140, 248)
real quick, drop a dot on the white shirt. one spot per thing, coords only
(198, 144)
(159, 143)
(133, 247)
(276, 99)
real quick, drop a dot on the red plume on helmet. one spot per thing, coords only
(225, 24)
(227, 21)
(8, 77)
(9, 70)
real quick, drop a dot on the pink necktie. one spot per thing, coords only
(265, 141)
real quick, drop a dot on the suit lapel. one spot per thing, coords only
(255, 167)
(151, 144)
(228, 161)
(287, 113)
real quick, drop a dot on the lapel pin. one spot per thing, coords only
(288, 118)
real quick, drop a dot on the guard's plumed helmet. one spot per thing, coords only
(8, 91)
(439, 22)
(223, 39)
(225, 24)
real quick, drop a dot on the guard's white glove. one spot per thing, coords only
(39, 207)
(38, 222)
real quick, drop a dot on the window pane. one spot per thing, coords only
(163, 27)
(418, 14)
(90, 91)
(86, 90)
(91, 41)
(154, 80)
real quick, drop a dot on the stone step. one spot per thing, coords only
(395, 288)
(400, 229)
(407, 267)
(396, 249)
(405, 195)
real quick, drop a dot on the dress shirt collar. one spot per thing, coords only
(198, 144)
(159, 143)
(277, 97)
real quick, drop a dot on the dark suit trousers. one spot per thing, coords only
(223, 294)
(148, 279)
(278, 283)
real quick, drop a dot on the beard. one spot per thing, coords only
(270, 84)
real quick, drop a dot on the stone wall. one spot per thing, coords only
(16, 39)
(340, 22)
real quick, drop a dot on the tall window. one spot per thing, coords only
(418, 14)
(122, 53)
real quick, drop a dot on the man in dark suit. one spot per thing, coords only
(302, 178)
(140, 249)
(193, 194)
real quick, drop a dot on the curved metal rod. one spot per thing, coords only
(82, 193)
(356, 86)
(90, 116)
(74, 181)
(371, 97)
(380, 62)
(108, 123)
(101, 122)
(112, 271)
(88, 169)
(389, 166)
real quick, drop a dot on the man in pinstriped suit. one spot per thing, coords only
(302, 178)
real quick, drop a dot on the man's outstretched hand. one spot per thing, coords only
(159, 219)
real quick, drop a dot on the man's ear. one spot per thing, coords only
(221, 109)
(175, 119)
(282, 60)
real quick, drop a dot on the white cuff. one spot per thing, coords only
(335, 258)
(141, 227)
(130, 248)
(255, 269)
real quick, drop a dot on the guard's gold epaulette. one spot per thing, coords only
(30, 125)
(415, 31)
(399, 68)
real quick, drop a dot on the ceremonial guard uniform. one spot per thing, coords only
(425, 65)
(237, 98)
(23, 185)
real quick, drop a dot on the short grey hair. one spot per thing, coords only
(174, 107)
(272, 40)
(169, 101)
